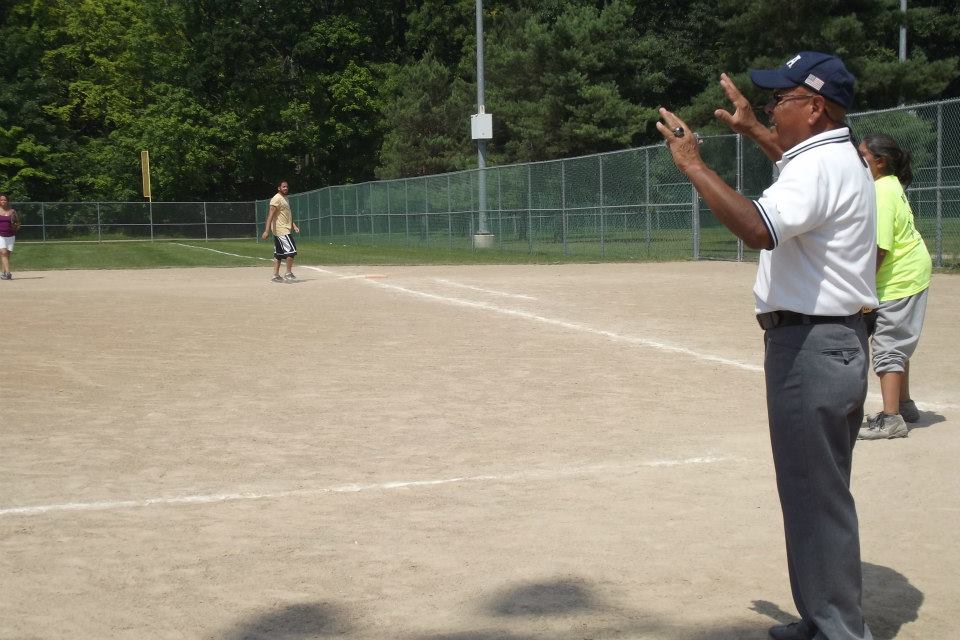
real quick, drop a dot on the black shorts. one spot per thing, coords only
(284, 247)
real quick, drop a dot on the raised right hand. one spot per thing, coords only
(743, 120)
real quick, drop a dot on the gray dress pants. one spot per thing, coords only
(816, 379)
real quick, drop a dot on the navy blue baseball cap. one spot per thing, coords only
(820, 72)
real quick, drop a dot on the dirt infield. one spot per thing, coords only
(431, 453)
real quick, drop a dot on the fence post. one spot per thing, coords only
(43, 222)
(646, 201)
(406, 210)
(939, 235)
(151, 220)
(425, 233)
(473, 207)
(449, 216)
(739, 139)
(206, 231)
(499, 210)
(99, 228)
(373, 217)
(603, 252)
(389, 212)
(696, 223)
(530, 208)
(563, 204)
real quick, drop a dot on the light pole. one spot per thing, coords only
(903, 30)
(481, 129)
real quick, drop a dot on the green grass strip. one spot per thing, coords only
(36, 256)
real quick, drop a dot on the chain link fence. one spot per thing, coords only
(631, 205)
(625, 205)
(116, 221)
(931, 132)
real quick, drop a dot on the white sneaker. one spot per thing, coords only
(884, 426)
(290, 277)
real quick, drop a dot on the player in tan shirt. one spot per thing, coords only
(280, 222)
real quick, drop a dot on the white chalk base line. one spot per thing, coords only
(552, 474)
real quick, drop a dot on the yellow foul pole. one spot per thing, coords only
(145, 172)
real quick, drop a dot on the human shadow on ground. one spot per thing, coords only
(566, 609)
(773, 611)
(889, 602)
(293, 622)
(571, 609)
(927, 419)
(544, 598)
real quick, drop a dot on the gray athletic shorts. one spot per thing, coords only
(899, 323)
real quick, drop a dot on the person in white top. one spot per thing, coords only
(816, 228)
(9, 225)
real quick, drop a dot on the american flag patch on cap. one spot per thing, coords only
(814, 82)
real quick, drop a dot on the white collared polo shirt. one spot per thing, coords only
(822, 216)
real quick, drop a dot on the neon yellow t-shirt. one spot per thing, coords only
(905, 270)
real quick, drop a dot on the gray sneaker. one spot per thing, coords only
(276, 279)
(290, 277)
(909, 411)
(884, 426)
(6, 276)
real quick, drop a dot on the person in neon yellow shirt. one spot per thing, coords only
(903, 278)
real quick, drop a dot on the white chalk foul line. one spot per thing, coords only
(482, 290)
(573, 326)
(654, 344)
(643, 342)
(548, 474)
(518, 313)
(225, 253)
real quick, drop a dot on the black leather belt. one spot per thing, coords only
(774, 319)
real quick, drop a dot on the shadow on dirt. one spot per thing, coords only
(889, 602)
(570, 609)
(293, 622)
(543, 599)
(927, 419)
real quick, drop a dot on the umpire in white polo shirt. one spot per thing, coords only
(816, 226)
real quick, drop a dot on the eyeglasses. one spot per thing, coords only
(779, 98)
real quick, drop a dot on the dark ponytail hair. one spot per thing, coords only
(899, 161)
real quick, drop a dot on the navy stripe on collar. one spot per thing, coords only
(839, 138)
